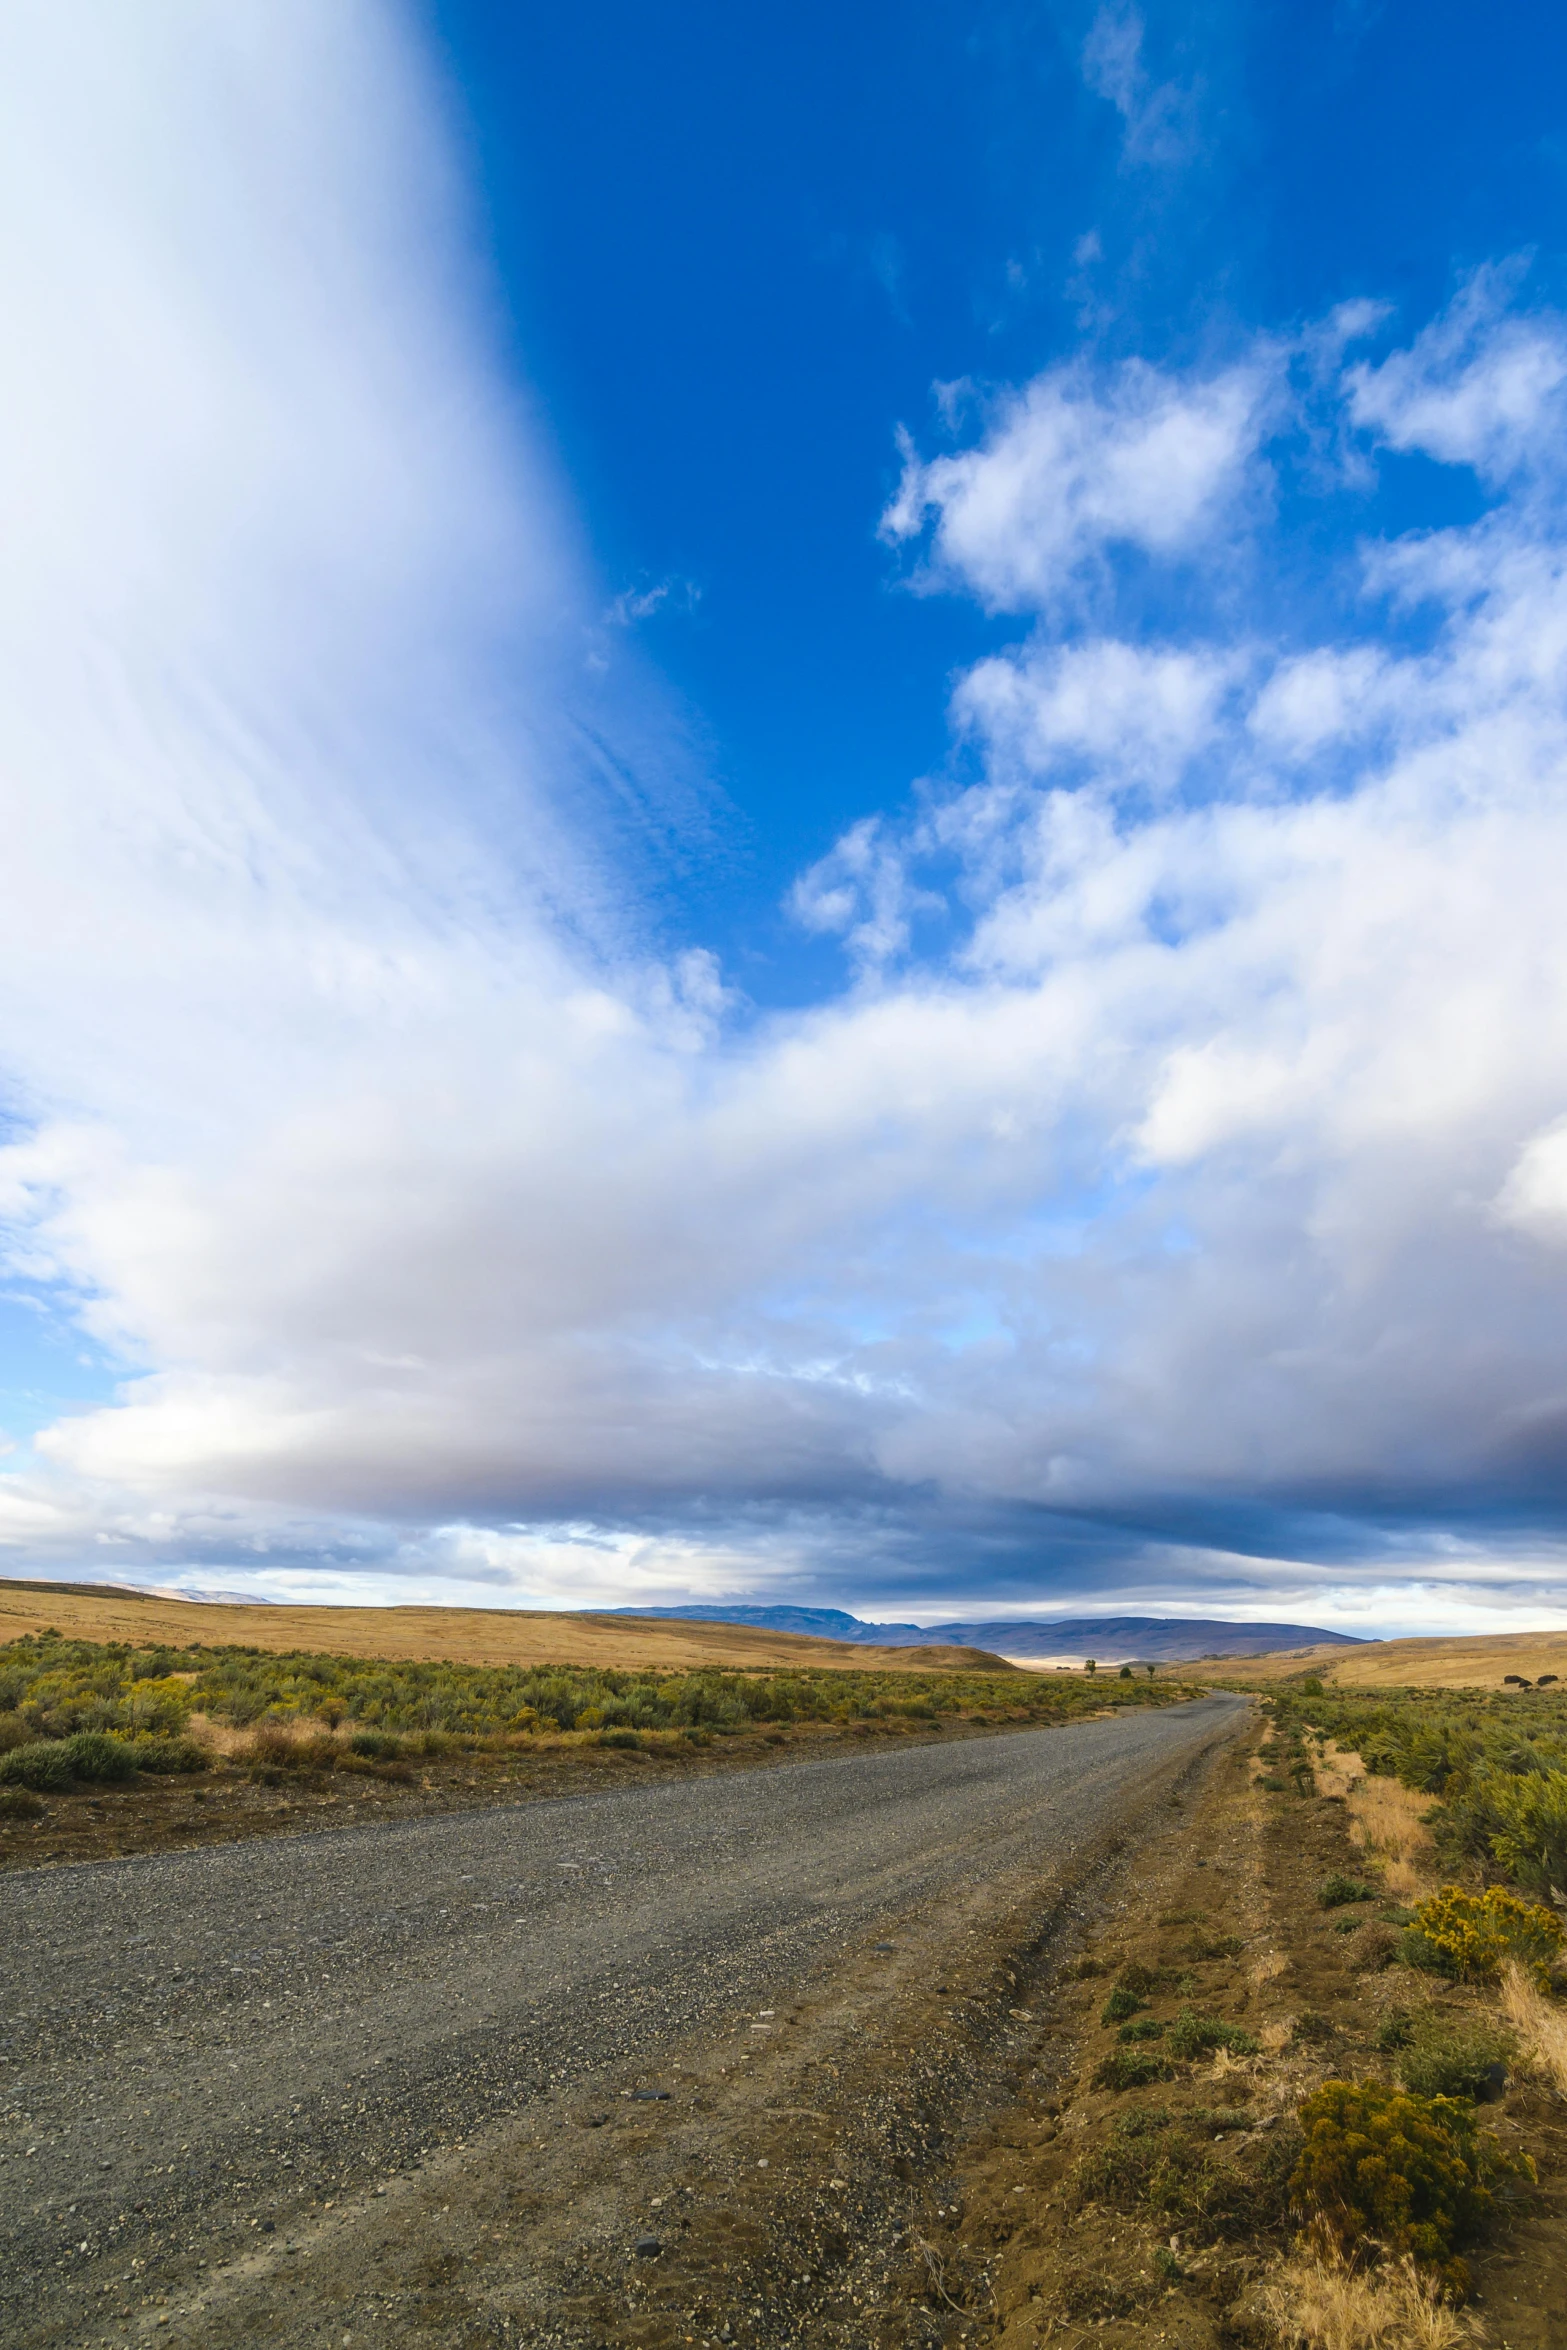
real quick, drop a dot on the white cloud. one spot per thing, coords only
(428, 1215)
(1476, 387)
(1083, 464)
(1160, 118)
(1136, 714)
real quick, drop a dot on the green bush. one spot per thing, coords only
(55, 1687)
(1146, 2027)
(1454, 2059)
(94, 1755)
(1191, 2036)
(1132, 2068)
(58, 1763)
(378, 1745)
(1412, 2172)
(1336, 1890)
(1122, 2002)
(622, 1738)
(170, 1755)
(1497, 1761)
(43, 1765)
(16, 1803)
(1201, 1947)
(1530, 1838)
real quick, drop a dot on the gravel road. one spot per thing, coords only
(199, 2048)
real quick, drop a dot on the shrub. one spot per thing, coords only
(16, 1803)
(170, 1755)
(379, 1745)
(274, 1751)
(1122, 2002)
(1146, 2027)
(93, 1755)
(1132, 2068)
(1192, 2036)
(1335, 1891)
(1454, 2059)
(1376, 1948)
(1530, 1839)
(58, 1763)
(1468, 1934)
(44, 1765)
(1411, 2171)
(1205, 1946)
(1320, 2305)
(1141, 2120)
(624, 1738)
(1170, 2168)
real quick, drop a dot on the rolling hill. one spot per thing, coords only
(474, 1636)
(1109, 1639)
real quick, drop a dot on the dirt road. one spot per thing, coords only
(434, 2081)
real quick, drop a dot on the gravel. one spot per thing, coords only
(198, 2048)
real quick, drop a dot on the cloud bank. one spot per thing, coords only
(1172, 1203)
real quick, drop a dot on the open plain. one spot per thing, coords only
(1477, 1661)
(458, 1635)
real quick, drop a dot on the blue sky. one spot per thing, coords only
(785, 804)
(735, 252)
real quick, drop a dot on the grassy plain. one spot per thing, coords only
(455, 1635)
(1478, 1661)
(115, 1746)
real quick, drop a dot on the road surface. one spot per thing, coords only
(201, 2049)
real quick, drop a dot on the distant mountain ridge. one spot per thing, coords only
(1110, 1639)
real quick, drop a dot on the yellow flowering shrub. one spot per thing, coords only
(1458, 1933)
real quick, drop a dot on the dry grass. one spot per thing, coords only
(457, 1635)
(1385, 1820)
(1314, 2306)
(1477, 1663)
(1540, 2025)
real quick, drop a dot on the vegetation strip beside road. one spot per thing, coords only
(108, 1749)
(1295, 1988)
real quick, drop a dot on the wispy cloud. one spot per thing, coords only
(1191, 1222)
(1160, 117)
(665, 595)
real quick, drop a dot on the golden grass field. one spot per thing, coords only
(1477, 1661)
(459, 1635)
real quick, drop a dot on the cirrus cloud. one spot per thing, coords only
(1170, 1222)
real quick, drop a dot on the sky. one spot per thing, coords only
(786, 806)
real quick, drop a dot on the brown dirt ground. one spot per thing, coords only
(459, 1635)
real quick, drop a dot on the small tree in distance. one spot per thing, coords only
(1089, 1666)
